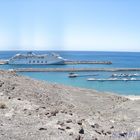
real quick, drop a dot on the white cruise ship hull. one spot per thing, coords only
(36, 63)
(32, 59)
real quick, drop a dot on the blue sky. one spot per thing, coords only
(104, 25)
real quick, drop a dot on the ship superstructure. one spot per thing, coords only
(31, 58)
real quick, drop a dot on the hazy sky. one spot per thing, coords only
(70, 25)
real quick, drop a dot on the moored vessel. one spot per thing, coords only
(32, 58)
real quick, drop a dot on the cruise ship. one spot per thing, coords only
(31, 58)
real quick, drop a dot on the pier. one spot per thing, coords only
(103, 80)
(74, 69)
(2, 62)
(88, 62)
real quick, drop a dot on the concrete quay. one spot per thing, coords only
(88, 62)
(3, 62)
(73, 69)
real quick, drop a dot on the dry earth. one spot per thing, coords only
(36, 110)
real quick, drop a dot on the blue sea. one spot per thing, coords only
(119, 60)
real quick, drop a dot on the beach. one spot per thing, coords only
(39, 110)
(133, 97)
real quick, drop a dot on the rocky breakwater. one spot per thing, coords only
(35, 110)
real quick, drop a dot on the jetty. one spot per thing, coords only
(74, 69)
(88, 62)
(103, 80)
(71, 62)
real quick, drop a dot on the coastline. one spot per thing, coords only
(133, 97)
(32, 109)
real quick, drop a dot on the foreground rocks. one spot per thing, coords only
(35, 110)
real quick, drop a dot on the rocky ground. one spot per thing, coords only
(35, 110)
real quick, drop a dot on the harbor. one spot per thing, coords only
(70, 70)
(83, 69)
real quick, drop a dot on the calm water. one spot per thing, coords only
(119, 59)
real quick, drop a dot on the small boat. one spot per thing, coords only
(125, 79)
(133, 79)
(114, 75)
(125, 75)
(112, 79)
(136, 74)
(91, 79)
(73, 75)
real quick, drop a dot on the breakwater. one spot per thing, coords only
(103, 80)
(2, 62)
(88, 62)
(73, 69)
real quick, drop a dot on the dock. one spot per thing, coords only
(88, 62)
(103, 80)
(73, 62)
(74, 69)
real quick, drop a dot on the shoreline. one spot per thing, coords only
(34, 109)
(133, 97)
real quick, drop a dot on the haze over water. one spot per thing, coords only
(103, 25)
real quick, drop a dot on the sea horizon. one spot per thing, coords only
(117, 51)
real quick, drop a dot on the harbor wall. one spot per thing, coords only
(73, 69)
(2, 62)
